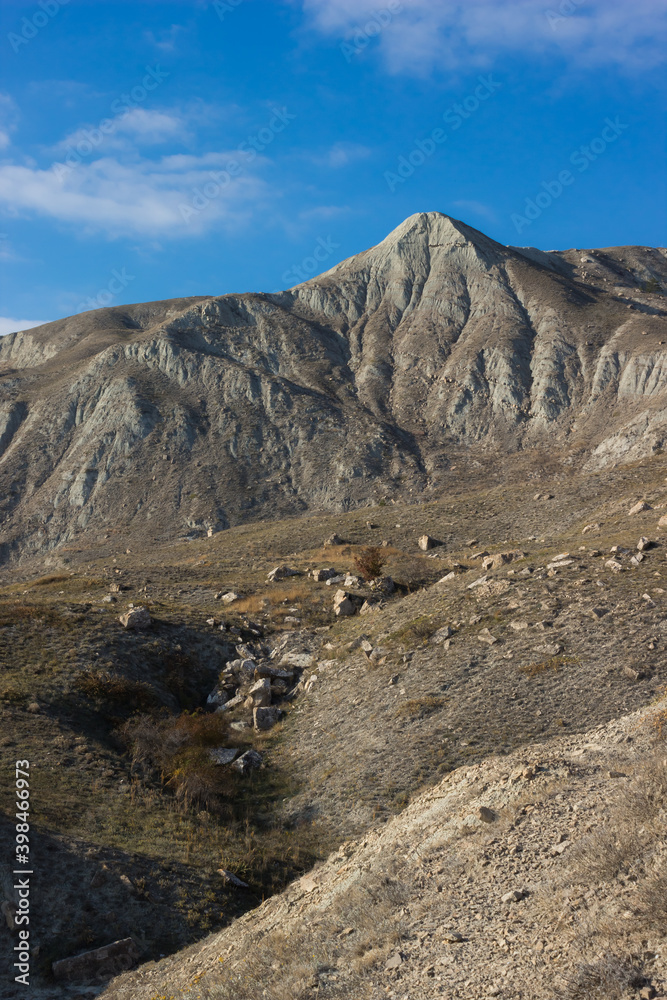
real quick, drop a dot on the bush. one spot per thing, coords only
(177, 748)
(369, 561)
(115, 691)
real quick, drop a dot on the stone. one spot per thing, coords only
(486, 637)
(116, 588)
(590, 527)
(662, 523)
(502, 558)
(599, 612)
(447, 577)
(108, 599)
(282, 573)
(426, 542)
(300, 660)
(334, 580)
(351, 581)
(643, 544)
(223, 755)
(321, 575)
(217, 699)
(370, 604)
(229, 597)
(453, 937)
(637, 559)
(248, 761)
(229, 878)
(334, 540)
(383, 584)
(640, 507)
(395, 962)
(441, 635)
(265, 718)
(486, 815)
(633, 675)
(260, 693)
(343, 603)
(614, 565)
(112, 959)
(136, 618)
(477, 583)
(514, 896)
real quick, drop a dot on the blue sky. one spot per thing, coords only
(150, 150)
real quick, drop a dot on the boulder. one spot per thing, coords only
(260, 693)
(383, 584)
(371, 604)
(248, 761)
(443, 633)
(643, 544)
(265, 718)
(334, 540)
(662, 523)
(229, 597)
(501, 559)
(229, 878)
(282, 573)
(426, 542)
(217, 699)
(334, 580)
(223, 755)
(321, 575)
(343, 603)
(590, 527)
(614, 565)
(640, 507)
(112, 959)
(136, 618)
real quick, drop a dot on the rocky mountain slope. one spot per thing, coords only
(387, 375)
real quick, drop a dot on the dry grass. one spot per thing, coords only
(606, 979)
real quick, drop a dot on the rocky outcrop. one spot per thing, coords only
(439, 344)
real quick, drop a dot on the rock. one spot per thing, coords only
(370, 604)
(265, 669)
(248, 761)
(649, 600)
(447, 577)
(217, 699)
(453, 937)
(260, 693)
(116, 588)
(383, 584)
(662, 523)
(637, 559)
(334, 540)
(550, 649)
(136, 618)
(230, 879)
(234, 702)
(643, 544)
(343, 603)
(614, 565)
(229, 597)
(443, 633)
(514, 896)
(300, 660)
(395, 962)
(108, 599)
(647, 993)
(599, 612)
(223, 755)
(633, 675)
(590, 527)
(485, 636)
(477, 583)
(501, 559)
(366, 647)
(640, 507)
(334, 580)
(265, 718)
(119, 956)
(351, 581)
(281, 573)
(486, 815)
(561, 564)
(321, 575)
(426, 542)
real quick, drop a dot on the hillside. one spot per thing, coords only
(457, 445)
(386, 376)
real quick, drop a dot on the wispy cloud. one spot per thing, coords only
(8, 325)
(449, 34)
(341, 154)
(140, 198)
(166, 40)
(476, 208)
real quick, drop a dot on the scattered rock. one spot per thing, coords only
(230, 879)
(334, 540)
(383, 584)
(640, 507)
(282, 573)
(100, 962)
(265, 718)
(427, 542)
(321, 575)
(248, 761)
(260, 693)
(136, 618)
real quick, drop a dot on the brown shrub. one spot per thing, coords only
(607, 979)
(115, 691)
(369, 561)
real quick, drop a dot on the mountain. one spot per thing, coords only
(389, 374)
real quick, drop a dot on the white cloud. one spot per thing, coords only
(137, 126)
(447, 34)
(8, 325)
(341, 154)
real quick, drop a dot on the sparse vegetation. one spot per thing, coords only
(369, 561)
